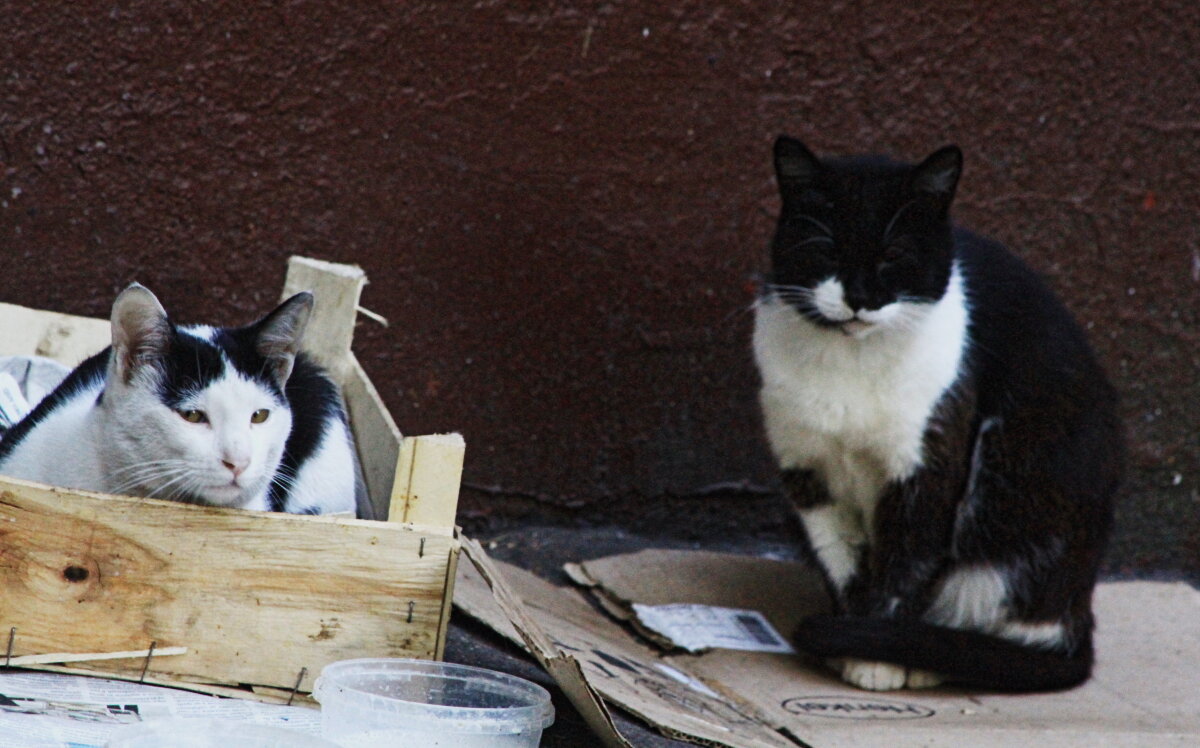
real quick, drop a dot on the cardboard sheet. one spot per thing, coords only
(1145, 691)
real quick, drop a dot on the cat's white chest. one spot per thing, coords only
(856, 410)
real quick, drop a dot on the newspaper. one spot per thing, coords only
(24, 381)
(45, 710)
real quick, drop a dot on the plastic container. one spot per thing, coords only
(397, 702)
(211, 733)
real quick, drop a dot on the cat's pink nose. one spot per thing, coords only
(236, 467)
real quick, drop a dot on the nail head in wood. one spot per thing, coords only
(295, 688)
(146, 664)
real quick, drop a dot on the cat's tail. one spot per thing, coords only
(968, 658)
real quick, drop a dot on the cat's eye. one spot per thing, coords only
(259, 415)
(193, 416)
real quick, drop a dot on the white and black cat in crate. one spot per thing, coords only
(946, 435)
(224, 416)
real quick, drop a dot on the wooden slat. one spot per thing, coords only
(428, 477)
(65, 338)
(254, 596)
(261, 694)
(59, 658)
(336, 289)
(375, 435)
(447, 602)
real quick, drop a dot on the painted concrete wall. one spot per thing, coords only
(561, 207)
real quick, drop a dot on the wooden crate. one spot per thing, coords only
(257, 599)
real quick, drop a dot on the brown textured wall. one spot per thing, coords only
(561, 206)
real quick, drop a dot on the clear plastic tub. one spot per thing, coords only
(211, 733)
(397, 702)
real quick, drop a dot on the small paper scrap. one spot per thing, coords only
(13, 405)
(696, 628)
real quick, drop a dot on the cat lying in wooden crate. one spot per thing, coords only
(256, 598)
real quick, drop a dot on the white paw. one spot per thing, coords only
(923, 679)
(873, 676)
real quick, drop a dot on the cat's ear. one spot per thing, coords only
(279, 335)
(796, 168)
(938, 174)
(141, 332)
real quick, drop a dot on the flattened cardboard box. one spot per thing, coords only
(1145, 690)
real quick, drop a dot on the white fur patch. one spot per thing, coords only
(971, 598)
(1046, 635)
(923, 679)
(204, 332)
(326, 479)
(836, 537)
(874, 676)
(977, 598)
(854, 408)
(829, 297)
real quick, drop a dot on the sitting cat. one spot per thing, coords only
(232, 417)
(945, 433)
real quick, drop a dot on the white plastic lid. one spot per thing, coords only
(454, 698)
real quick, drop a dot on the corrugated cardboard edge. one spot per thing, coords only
(565, 669)
(616, 606)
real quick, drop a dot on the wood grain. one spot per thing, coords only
(65, 338)
(336, 289)
(375, 436)
(428, 475)
(254, 596)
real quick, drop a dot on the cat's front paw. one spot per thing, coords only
(883, 676)
(874, 676)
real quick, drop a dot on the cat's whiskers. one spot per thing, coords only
(141, 474)
(800, 296)
(181, 483)
(285, 478)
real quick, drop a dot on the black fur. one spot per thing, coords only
(315, 403)
(1022, 456)
(974, 659)
(190, 364)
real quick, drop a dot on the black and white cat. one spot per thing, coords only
(945, 433)
(232, 417)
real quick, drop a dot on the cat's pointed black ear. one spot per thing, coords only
(796, 168)
(279, 335)
(938, 174)
(141, 333)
